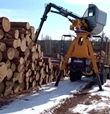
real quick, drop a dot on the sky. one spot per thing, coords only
(56, 25)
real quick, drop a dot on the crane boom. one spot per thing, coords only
(61, 11)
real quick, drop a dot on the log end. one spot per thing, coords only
(6, 24)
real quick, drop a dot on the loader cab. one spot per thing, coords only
(95, 18)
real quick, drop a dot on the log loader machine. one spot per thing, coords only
(80, 51)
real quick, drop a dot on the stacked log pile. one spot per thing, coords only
(22, 64)
(100, 56)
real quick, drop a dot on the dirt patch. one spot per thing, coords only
(105, 110)
(90, 100)
(69, 103)
(3, 103)
(80, 97)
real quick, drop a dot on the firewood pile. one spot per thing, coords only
(22, 64)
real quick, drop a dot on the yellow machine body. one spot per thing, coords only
(80, 47)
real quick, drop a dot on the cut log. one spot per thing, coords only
(1, 33)
(39, 62)
(16, 88)
(28, 62)
(23, 31)
(37, 55)
(27, 85)
(27, 79)
(34, 83)
(33, 48)
(16, 53)
(12, 34)
(22, 86)
(46, 69)
(8, 64)
(18, 60)
(22, 36)
(33, 66)
(32, 29)
(8, 89)
(9, 74)
(20, 68)
(41, 54)
(45, 80)
(27, 52)
(21, 77)
(2, 46)
(5, 24)
(30, 79)
(24, 25)
(33, 37)
(10, 42)
(23, 45)
(32, 56)
(13, 67)
(38, 48)
(28, 41)
(16, 76)
(18, 42)
(28, 73)
(9, 82)
(9, 53)
(50, 78)
(40, 80)
(3, 71)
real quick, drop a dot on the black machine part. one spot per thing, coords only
(95, 22)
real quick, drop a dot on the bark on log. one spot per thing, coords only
(23, 31)
(2, 87)
(1, 33)
(17, 53)
(53, 55)
(1, 56)
(18, 60)
(10, 42)
(12, 34)
(24, 25)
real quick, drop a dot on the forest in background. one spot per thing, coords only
(49, 46)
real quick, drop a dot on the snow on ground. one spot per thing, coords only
(101, 104)
(96, 102)
(48, 97)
